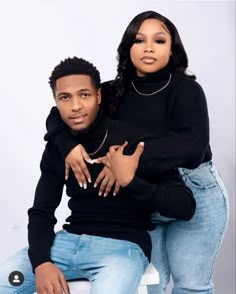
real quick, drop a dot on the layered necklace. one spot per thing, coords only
(153, 93)
(103, 141)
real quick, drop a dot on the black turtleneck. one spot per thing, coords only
(177, 116)
(126, 216)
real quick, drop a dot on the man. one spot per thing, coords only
(105, 239)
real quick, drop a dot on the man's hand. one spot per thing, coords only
(123, 166)
(50, 279)
(76, 161)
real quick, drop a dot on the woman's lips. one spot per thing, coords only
(148, 60)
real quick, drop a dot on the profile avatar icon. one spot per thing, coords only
(16, 278)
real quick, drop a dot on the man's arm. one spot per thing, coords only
(49, 278)
(41, 215)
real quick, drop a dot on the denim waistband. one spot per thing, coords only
(186, 171)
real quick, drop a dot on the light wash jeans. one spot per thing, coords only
(187, 249)
(113, 266)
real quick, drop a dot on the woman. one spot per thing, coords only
(153, 91)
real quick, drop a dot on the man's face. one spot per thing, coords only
(77, 101)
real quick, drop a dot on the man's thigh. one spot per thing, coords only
(113, 266)
(16, 274)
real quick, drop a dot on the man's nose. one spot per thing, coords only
(76, 104)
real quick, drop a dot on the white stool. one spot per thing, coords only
(151, 277)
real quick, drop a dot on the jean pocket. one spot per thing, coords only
(201, 179)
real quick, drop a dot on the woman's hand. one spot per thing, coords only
(122, 166)
(50, 279)
(76, 161)
(107, 180)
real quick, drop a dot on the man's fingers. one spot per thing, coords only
(64, 285)
(139, 150)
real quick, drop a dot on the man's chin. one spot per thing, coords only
(80, 131)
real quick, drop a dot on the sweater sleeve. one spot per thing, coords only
(41, 215)
(187, 142)
(169, 196)
(58, 133)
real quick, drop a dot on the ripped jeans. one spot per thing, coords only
(187, 250)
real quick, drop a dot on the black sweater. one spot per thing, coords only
(177, 116)
(125, 216)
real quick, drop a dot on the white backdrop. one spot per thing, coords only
(36, 35)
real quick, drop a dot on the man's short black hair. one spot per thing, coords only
(74, 66)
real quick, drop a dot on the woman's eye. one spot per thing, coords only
(138, 41)
(160, 41)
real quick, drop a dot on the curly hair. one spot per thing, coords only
(74, 66)
(178, 61)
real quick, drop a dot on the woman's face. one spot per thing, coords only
(152, 47)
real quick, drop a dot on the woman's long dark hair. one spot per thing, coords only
(178, 60)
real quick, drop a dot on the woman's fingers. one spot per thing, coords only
(67, 170)
(76, 161)
(107, 181)
(117, 188)
(105, 186)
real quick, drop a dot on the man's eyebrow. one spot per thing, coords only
(63, 93)
(80, 90)
(85, 89)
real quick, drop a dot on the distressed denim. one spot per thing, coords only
(113, 266)
(187, 250)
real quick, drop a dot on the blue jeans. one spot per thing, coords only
(107, 263)
(187, 249)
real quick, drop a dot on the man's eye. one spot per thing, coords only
(138, 41)
(64, 97)
(85, 95)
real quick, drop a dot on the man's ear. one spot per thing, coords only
(99, 96)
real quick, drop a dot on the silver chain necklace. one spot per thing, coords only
(103, 141)
(150, 94)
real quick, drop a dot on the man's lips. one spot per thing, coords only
(78, 118)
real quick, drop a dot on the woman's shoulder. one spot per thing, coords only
(185, 84)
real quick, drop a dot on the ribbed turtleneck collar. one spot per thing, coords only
(151, 82)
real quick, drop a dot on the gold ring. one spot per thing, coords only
(107, 181)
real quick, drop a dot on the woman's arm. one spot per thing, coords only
(75, 155)
(168, 195)
(187, 141)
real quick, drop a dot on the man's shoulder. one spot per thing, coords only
(121, 132)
